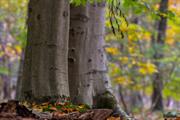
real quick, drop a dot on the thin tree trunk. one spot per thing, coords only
(122, 100)
(19, 77)
(103, 95)
(157, 98)
(97, 58)
(4, 64)
(135, 96)
(45, 70)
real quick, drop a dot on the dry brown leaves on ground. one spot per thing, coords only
(13, 110)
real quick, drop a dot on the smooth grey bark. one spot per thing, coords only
(88, 79)
(45, 71)
(103, 94)
(87, 67)
(157, 97)
(97, 55)
(80, 81)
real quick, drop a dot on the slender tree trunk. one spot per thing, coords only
(4, 63)
(157, 98)
(19, 77)
(45, 70)
(135, 96)
(98, 58)
(121, 97)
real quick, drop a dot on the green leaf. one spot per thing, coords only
(4, 71)
(171, 14)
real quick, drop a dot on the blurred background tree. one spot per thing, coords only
(131, 54)
(12, 41)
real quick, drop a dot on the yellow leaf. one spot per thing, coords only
(18, 49)
(142, 71)
(124, 26)
(147, 36)
(147, 68)
(170, 41)
(134, 61)
(124, 60)
(131, 50)
(114, 70)
(123, 80)
(112, 50)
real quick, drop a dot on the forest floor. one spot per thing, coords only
(14, 110)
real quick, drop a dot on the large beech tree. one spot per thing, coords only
(45, 70)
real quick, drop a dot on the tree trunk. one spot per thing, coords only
(97, 58)
(45, 70)
(80, 80)
(19, 77)
(135, 96)
(87, 60)
(88, 79)
(157, 98)
(4, 63)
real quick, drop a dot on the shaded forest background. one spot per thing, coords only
(132, 48)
